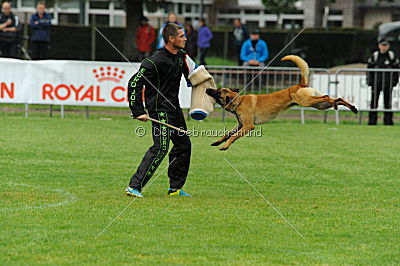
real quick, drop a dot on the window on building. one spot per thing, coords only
(292, 23)
(119, 21)
(68, 18)
(252, 24)
(99, 4)
(197, 8)
(335, 12)
(180, 8)
(229, 11)
(270, 24)
(188, 8)
(101, 20)
(119, 5)
(26, 3)
(252, 11)
(69, 4)
(295, 11)
(334, 24)
(169, 7)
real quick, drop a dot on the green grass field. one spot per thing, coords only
(63, 182)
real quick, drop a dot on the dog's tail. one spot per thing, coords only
(305, 72)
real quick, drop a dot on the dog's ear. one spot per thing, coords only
(235, 90)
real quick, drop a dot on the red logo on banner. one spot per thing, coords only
(109, 73)
(89, 92)
(6, 90)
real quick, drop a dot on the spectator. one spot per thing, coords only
(145, 36)
(382, 81)
(203, 40)
(9, 25)
(40, 24)
(172, 18)
(254, 51)
(191, 42)
(240, 34)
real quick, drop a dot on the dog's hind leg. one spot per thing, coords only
(227, 135)
(340, 101)
(324, 102)
(322, 106)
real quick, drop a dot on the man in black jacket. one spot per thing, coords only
(160, 75)
(9, 26)
(382, 81)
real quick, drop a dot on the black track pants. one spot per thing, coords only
(387, 101)
(179, 156)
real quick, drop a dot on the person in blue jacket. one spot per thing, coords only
(254, 50)
(203, 40)
(40, 23)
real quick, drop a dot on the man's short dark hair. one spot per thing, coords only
(171, 29)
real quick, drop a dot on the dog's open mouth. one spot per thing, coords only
(215, 94)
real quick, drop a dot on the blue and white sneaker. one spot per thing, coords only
(178, 192)
(133, 192)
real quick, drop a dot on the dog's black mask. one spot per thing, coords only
(223, 96)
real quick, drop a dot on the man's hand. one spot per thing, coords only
(254, 62)
(8, 22)
(142, 118)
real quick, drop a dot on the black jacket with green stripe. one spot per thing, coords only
(159, 77)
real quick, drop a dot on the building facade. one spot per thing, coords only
(308, 13)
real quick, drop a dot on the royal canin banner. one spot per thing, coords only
(64, 82)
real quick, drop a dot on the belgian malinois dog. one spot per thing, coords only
(253, 109)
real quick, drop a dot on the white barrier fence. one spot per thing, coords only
(88, 83)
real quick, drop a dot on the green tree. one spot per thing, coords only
(278, 7)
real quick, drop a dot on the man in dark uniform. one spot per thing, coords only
(160, 74)
(8, 31)
(382, 81)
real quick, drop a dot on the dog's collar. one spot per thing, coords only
(234, 104)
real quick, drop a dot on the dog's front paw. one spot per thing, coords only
(354, 109)
(216, 143)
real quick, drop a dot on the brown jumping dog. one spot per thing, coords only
(253, 109)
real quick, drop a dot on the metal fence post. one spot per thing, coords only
(26, 110)
(337, 117)
(62, 111)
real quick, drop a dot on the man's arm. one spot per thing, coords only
(46, 23)
(3, 26)
(15, 27)
(395, 65)
(264, 55)
(243, 52)
(209, 34)
(371, 75)
(34, 23)
(135, 88)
